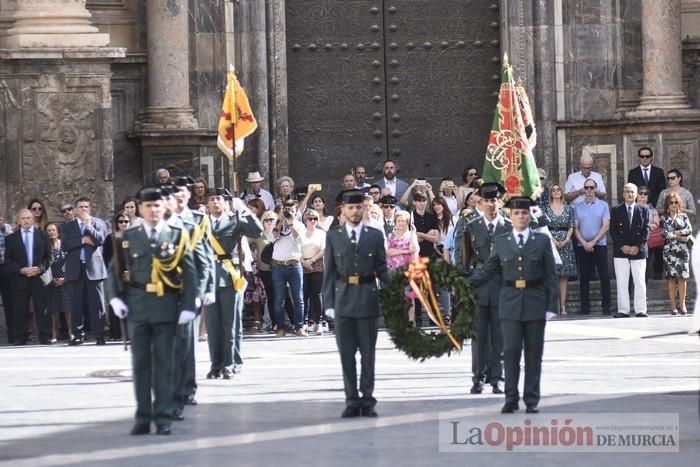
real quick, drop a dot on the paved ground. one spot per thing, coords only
(73, 406)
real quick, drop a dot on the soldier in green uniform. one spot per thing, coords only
(528, 297)
(156, 272)
(479, 236)
(355, 258)
(197, 225)
(224, 315)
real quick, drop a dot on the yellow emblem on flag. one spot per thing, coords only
(237, 120)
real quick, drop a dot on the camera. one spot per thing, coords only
(287, 213)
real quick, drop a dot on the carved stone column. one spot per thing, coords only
(168, 67)
(52, 23)
(662, 59)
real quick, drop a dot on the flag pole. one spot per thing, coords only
(234, 112)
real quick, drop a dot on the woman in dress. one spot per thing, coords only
(41, 218)
(401, 248)
(448, 191)
(59, 296)
(654, 223)
(677, 230)
(313, 246)
(121, 222)
(561, 226)
(675, 185)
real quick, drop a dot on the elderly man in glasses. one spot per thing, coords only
(592, 221)
(574, 190)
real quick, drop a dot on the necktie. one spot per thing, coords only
(28, 247)
(521, 240)
(353, 238)
(629, 213)
(646, 176)
(154, 236)
(82, 250)
(216, 224)
(491, 230)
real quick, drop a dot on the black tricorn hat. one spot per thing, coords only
(520, 202)
(352, 197)
(168, 189)
(218, 192)
(491, 190)
(183, 181)
(151, 194)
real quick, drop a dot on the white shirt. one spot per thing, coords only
(158, 228)
(628, 207)
(311, 246)
(516, 235)
(391, 186)
(287, 247)
(576, 180)
(494, 222)
(264, 195)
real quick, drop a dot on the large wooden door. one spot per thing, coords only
(409, 80)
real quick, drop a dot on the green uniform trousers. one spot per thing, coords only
(224, 320)
(352, 334)
(516, 335)
(185, 383)
(152, 361)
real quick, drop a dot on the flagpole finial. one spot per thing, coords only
(231, 68)
(505, 58)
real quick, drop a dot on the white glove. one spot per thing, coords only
(536, 212)
(208, 298)
(119, 307)
(186, 317)
(550, 316)
(330, 312)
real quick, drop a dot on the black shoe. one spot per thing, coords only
(177, 416)
(350, 412)
(621, 315)
(100, 341)
(213, 374)
(368, 412)
(190, 400)
(532, 409)
(140, 429)
(477, 388)
(163, 430)
(44, 342)
(226, 374)
(510, 407)
(75, 341)
(19, 342)
(496, 388)
(641, 315)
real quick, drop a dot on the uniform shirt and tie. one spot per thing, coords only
(521, 237)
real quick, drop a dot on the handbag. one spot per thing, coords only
(46, 277)
(266, 254)
(655, 240)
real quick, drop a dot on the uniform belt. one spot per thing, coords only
(559, 229)
(289, 262)
(140, 286)
(223, 257)
(357, 279)
(523, 284)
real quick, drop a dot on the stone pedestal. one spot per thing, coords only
(52, 23)
(56, 127)
(168, 67)
(662, 59)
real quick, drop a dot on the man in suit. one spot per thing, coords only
(156, 288)
(224, 315)
(653, 177)
(629, 229)
(477, 244)
(648, 175)
(396, 186)
(82, 239)
(27, 257)
(197, 227)
(528, 297)
(354, 259)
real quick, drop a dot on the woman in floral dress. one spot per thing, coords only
(561, 225)
(677, 230)
(401, 248)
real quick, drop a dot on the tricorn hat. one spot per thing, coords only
(183, 181)
(150, 194)
(520, 202)
(491, 190)
(352, 197)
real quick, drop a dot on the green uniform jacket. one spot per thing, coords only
(479, 248)
(342, 259)
(228, 233)
(461, 257)
(534, 261)
(136, 254)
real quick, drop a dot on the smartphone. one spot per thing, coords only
(420, 181)
(315, 187)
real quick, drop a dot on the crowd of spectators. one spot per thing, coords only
(650, 233)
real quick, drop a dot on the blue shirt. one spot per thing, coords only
(590, 217)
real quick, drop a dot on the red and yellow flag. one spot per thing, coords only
(237, 120)
(509, 159)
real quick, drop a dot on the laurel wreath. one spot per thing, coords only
(414, 342)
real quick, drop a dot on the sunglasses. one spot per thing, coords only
(589, 187)
(269, 220)
(374, 192)
(387, 206)
(315, 219)
(646, 157)
(123, 221)
(643, 193)
(65, 210)
(36, 208)
(672, 177)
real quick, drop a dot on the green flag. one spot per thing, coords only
(509, 160)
